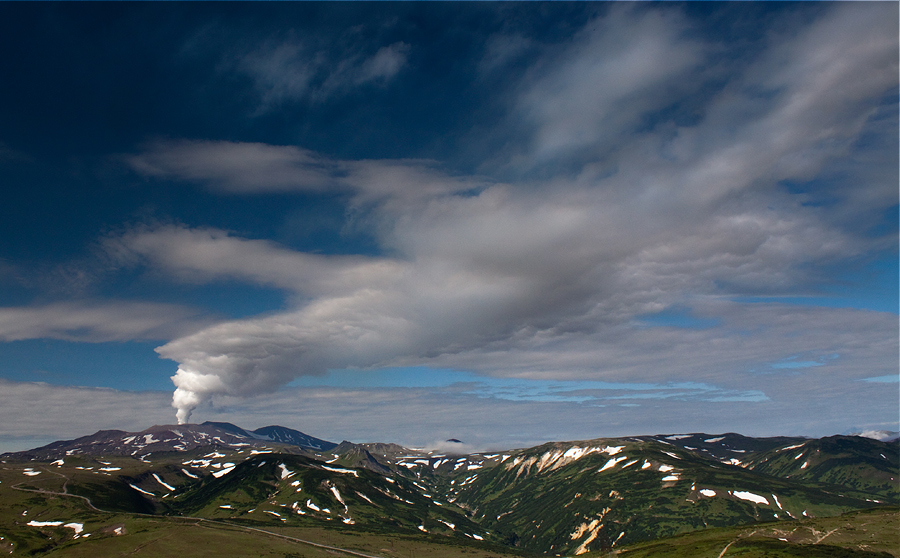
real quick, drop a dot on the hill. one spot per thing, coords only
(558, 498)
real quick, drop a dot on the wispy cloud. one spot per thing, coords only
(294, 70)
(236, 167)
(256, 168)
(97, 322)
(615, 71)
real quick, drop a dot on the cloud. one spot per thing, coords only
(416, 417)
(383, 65)
(549, 276)
(206, 254)
(236, 167)
(614, 71)
(39, 410)
(294, 70)
(503, 49)
(98, 322)
(256, 168)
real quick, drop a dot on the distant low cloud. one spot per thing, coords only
(423, 418)
(43, 411)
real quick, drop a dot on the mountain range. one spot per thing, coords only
(558, 498)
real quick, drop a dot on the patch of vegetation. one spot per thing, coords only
(862, 534)
(113, 495)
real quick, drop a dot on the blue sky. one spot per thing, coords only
(504, 223)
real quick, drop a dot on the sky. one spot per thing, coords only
(504, 223)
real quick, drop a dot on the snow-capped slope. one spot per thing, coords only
(176, 438)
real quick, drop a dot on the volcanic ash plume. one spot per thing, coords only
(193, 388)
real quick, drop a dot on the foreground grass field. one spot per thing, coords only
(865, 534)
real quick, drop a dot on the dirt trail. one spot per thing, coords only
(724, 550)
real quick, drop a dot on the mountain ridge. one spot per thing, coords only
(570, 497)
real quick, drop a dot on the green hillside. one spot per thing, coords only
(542, 500)
(871, 533)
(561, 498)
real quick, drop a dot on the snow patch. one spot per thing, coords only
(750, 497)
(337, 495)
(141, 490)
(160, 481)
(188, 473)
(344, 471)
(612, 463)
(223, 472)
(285, 472)
(795, 446)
